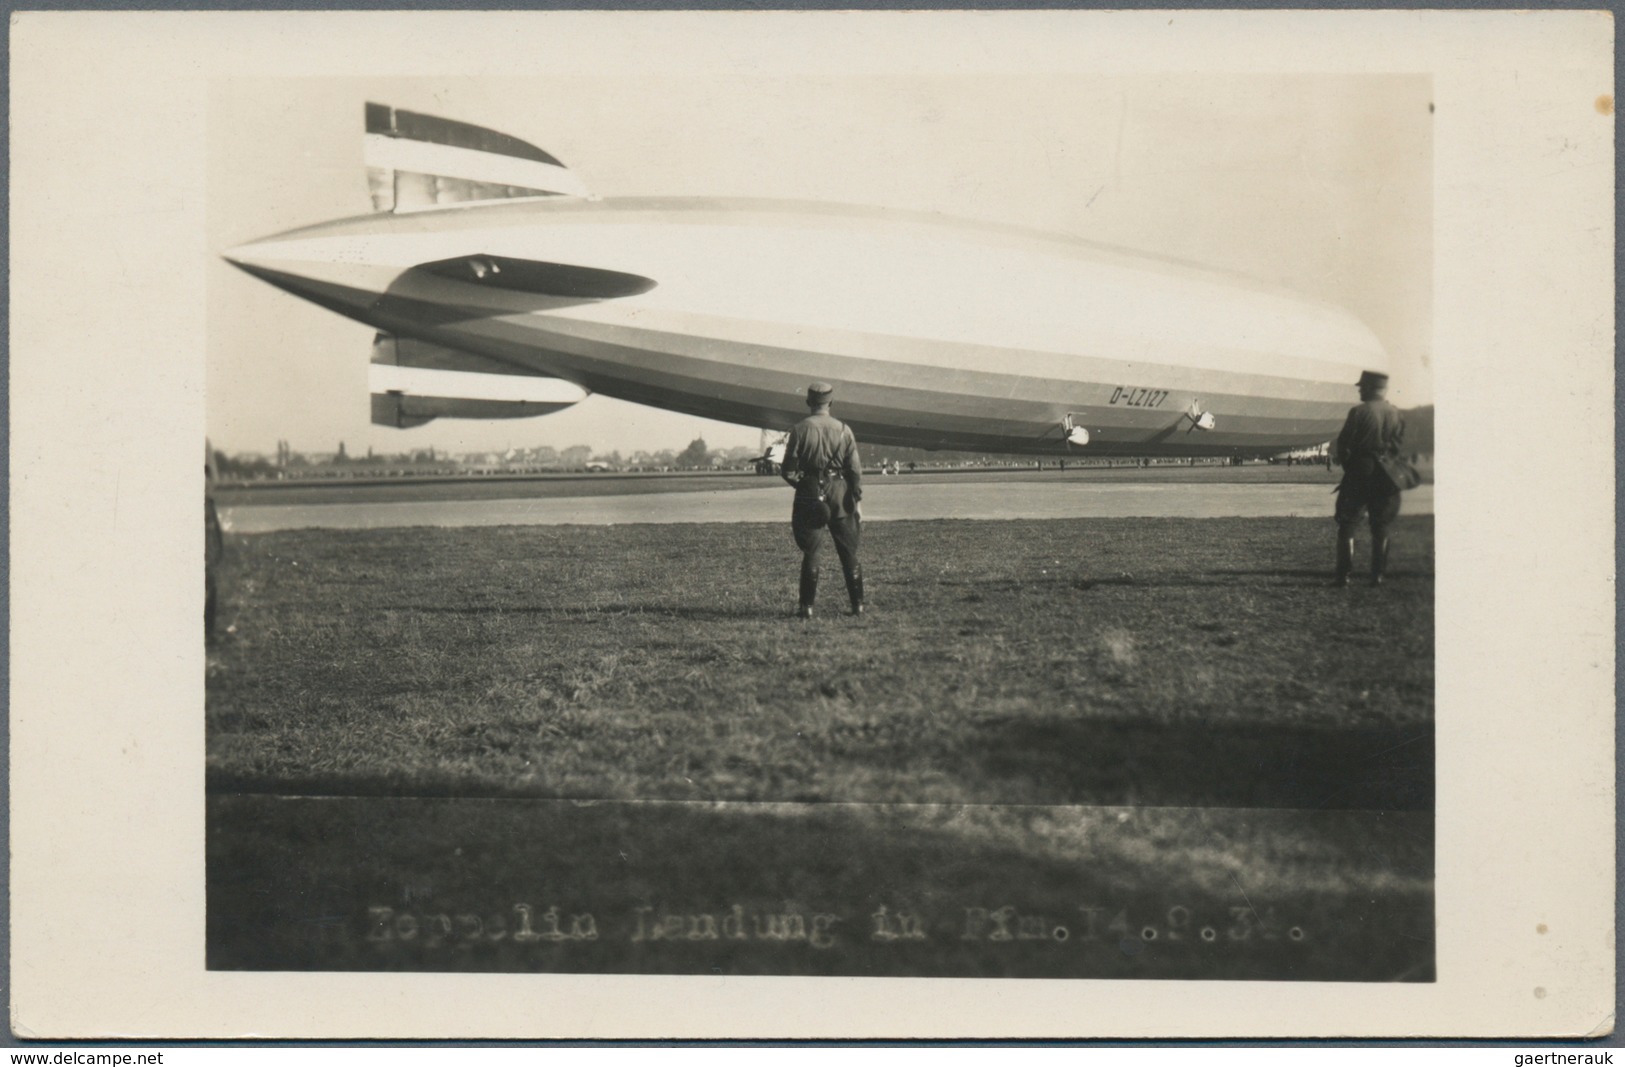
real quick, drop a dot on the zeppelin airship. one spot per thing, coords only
(499, 287)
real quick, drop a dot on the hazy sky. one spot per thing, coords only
(1322, 184)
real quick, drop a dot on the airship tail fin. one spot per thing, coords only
(414, 382)
(416, 161)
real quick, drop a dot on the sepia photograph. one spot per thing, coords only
(891, 526)
(795, 525)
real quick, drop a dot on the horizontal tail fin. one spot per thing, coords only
(417, 161)
(413, 382)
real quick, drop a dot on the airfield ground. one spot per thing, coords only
(1167, 738)
(629, 483)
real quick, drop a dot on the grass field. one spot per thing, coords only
(1139, 730)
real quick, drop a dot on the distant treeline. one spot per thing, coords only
(1419, 430)
(1418, 441)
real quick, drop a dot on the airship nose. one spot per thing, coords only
(327, 270)
(259, 258)
(241, 256)
(262, 262)
(261, 251)
(271, 256)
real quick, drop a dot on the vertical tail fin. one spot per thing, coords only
(417, 161)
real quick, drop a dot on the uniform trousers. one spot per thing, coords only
(1366, 490)
(809, 534)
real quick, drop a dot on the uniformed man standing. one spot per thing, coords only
(1373, 431)
(821, 461)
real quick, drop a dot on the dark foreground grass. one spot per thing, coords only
(525, 885)
(1113, 748)
(1169, 662)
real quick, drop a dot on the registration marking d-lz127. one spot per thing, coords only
(1130, 396)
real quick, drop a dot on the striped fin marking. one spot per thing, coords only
(466, 385)
(388, 348)
(413, 382)
(417, 161)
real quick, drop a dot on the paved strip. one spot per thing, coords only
(884, 501)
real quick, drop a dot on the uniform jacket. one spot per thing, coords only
(1374, 428)
(820, 443)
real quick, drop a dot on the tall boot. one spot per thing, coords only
(809, 589)
(1345, 559)
(1379, 559)
(854, 591)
